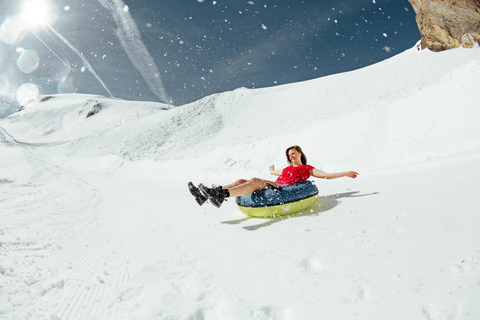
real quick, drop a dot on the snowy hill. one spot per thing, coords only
(96, 221)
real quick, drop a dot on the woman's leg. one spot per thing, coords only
(234, 184)
(240, 187)
(249, 186)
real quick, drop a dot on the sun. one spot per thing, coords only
(35, 13)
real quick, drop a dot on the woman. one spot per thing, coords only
(298, 171)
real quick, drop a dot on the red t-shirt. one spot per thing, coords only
(291, 175)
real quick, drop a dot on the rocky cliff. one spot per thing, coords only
(448, 24)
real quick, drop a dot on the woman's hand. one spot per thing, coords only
(351, 174)
(275, 172)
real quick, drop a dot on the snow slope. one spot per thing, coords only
(96, 221)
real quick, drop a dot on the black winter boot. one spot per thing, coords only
(199, 196)
(216, 195)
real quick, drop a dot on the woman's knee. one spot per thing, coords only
(257, 180)
(240, 181)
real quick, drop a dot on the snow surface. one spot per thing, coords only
(96, 221)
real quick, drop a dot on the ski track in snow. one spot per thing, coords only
(83, 270)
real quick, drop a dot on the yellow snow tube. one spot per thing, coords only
(279, 210)
(278, 202)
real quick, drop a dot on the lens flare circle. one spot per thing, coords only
(12, 32)
(58, 70)
(28, 61)
(65, 85)
(26, 93)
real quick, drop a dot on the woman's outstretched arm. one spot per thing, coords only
(324, 175)
(275, 172)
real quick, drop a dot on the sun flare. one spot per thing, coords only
(35, 13)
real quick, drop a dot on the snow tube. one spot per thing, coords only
(272, 202)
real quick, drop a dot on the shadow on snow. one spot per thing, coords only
(324, 203)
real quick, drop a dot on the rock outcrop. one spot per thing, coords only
(448, 24)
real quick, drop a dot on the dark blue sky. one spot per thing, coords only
(196, 48)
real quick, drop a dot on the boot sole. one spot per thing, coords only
(199, 197)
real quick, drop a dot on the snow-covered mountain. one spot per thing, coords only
(96, 221)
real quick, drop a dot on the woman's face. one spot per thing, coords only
(295, 157)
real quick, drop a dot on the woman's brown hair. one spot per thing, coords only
(298, 149)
